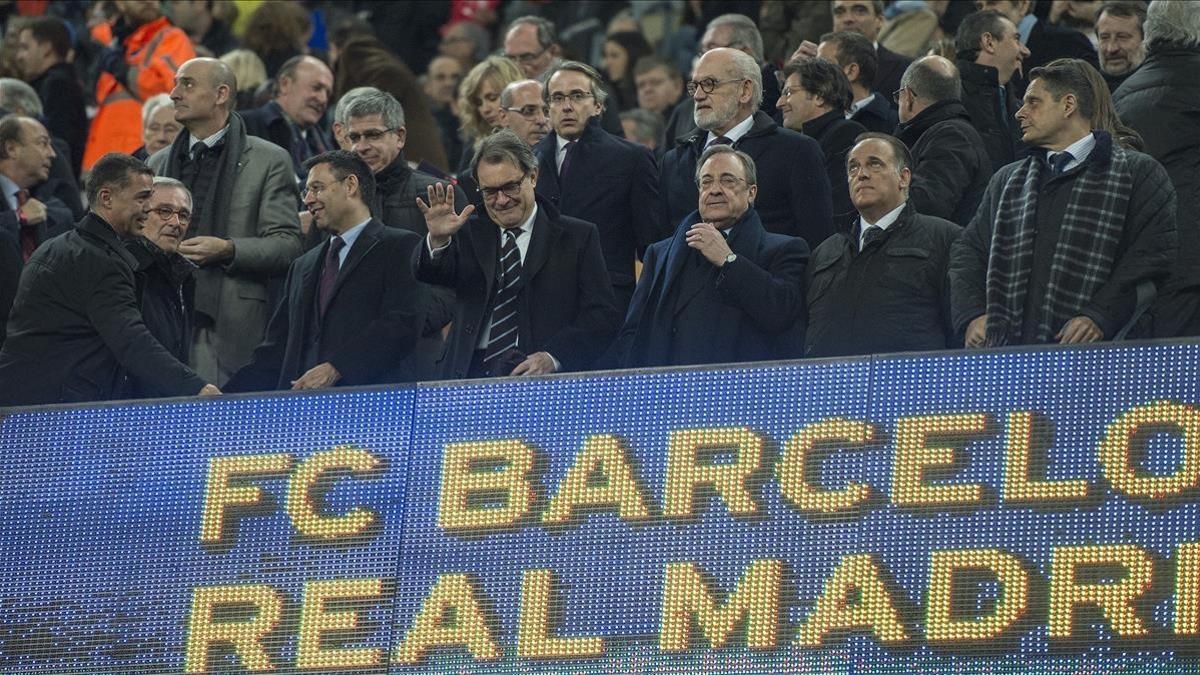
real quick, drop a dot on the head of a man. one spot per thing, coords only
(728, 183)
(203, 95)
(466, 42)
(1058, 106)
(575, 94)
(860, 16)
(442, 78)
(375, 129)
(644, 127)
(733, 31)
(1015, 10)
(878, 169)
(170, 214)
(726, 87)
(1172, 25)
(118, 190)
(659, 84)
(926, 81)
(43, 42)
(812, 88)
(532, 42)
(990, 38)
(505, 169)
(159, 127)
(194, 16)
(18, 97)
(305, 84)
(25, 150)
(338, 191)
(854, 53)
(524, 110)
(339, 114)
(138, 12)
(1122, 44)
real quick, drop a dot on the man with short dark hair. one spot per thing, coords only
(76, 332)
(440, 83)
(1046, 42)
(42, 49)
(203, 27)
(295, 119)
(524, 110)
(533, 294)
(881, 286)
(351, 310)
(950, 167)
(659, 85)
(1067, 243)
(856, 56)
(866, 18)
(990, 53)
(1121, 40)
(588, 173)
(722, 289)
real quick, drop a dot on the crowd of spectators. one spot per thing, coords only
(204, 196)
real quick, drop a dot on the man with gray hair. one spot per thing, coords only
(950, 168)
(533, 294)
(524, 111)
(794, 195)
(1160, 101)
(722, 289)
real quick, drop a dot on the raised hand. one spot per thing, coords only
(440, 218)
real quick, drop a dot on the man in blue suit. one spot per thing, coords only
(794, 195)
(722, 289)
(593, 175)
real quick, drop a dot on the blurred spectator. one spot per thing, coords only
(912, 27)
(588, 173)
(853, 52)
(785, 24)
(366, 61)
(142, 52)
(1104, 113)
(990, 54)
(865, 17)
(659, 85)
(206, 30)
(479, 101)
(244, 222)
(251, 73)
(76, 332)
(621, 52)
(1121, 39)
(30, 214)
(793, 190)
(19, 98)
(944, 48)
(295, 119)
(278, 31)
(645, 128)
(43, 51)
(1160, 101)
(441, 87)
(465, 41)
(1076, 15)
(1045, 42)
(410, 29)
(950, 166)
(815, 98)
(881, 286)
(525, 111)
(159, 127)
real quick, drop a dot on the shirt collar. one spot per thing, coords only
(860, 104)
(210, 141)
(1080, 150)
(740, 129)
(884, 223)
(351, 235)
(10, 190)
(1025, 27)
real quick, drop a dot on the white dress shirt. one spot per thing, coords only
(735, 134)
(884, 223)
(1080, 150)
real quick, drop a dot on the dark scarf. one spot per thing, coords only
(1083, 257)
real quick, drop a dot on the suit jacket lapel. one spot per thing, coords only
(367, 239)
(485, 242)
(541, 242)
(548, 183)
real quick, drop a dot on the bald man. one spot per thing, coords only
(295, 119)
(244, 223)
(951, 167)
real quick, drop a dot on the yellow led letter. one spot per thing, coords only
(605, 457)
(1116, 455)
(1019, 486)
(451, 616)
(914, 455)
(306, 517)
(794, 466)
(315, 620)
(685, 473)
(756, 599)
(1187, 589)
(245, 636)
(1007, 569)
(485, 469)
(534, 639)
(1114, 600)
(855, 597)
(219, 494)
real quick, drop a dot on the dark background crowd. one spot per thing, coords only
(215, 195)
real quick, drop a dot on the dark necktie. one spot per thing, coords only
(719, 140)
(329, 274)
(568, 151)
(871, 234)
(502, 334)
(29, 240)
(199, 150)
(1059, 162)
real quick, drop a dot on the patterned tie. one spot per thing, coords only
(871, 234)
(567, 153)
(329, 274)
(29, 240)
(1059, 162)
(503, 333)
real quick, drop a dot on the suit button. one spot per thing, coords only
(470, 330)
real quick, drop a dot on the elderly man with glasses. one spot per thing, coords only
(524, 111)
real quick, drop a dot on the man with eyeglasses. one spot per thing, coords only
(794, 194)
(524, 111)
(881, 286)
(533, 295)
(722, 289)
(592, 175)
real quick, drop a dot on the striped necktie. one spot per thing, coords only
(503, 333)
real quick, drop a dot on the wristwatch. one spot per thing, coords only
(729, 258)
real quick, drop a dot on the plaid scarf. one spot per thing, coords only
(1083, 257)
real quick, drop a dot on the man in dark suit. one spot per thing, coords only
(592, 175)
(722, 289)
(793, 193)
(866, 17)
(28, 211)
(42, 49)
(815, 98)
(76, 331)
(990, 54)
(1044, 41)
(351, 308)
(294, 120)
(871, 108)
(529, 302)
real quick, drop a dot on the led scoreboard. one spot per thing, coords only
(1004, 511)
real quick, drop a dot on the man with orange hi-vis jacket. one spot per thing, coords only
(144, 51)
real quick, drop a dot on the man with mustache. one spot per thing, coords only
(295, 119)
(1121, 38)
(76, 331)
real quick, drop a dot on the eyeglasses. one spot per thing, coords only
(873, 165)
(317, 188)
(511, 190)
(727, 181)
(896, 94)
(530, 111)
(708, 84)
(165, 212)
(526, 57)
(575, 96)
(371, 135)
